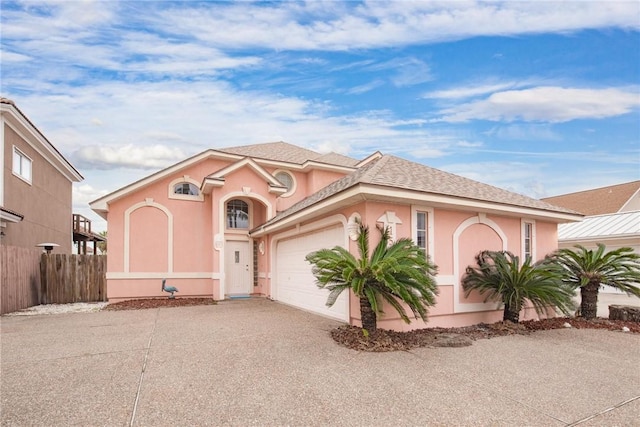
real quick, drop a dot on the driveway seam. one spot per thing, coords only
(612, 408)
(144, 368)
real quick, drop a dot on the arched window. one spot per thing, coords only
(237, 214)
(186, 188)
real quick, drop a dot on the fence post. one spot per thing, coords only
(43, 278)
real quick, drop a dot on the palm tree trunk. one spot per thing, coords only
(367, 315)
(589, 302)
(511, 314)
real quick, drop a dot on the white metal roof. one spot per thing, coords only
(623, 224)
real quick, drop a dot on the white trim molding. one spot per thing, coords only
(390, 219)
(223, 234)
(188, 179)
(523, 224)
(481, 218)
(118, 275)
(294, 182)
(430, 224)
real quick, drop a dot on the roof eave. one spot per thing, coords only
(379, 193)
(51, 153)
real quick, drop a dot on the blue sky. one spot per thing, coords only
(541, 98)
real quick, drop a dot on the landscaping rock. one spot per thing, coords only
(624, 312)
(451, 340)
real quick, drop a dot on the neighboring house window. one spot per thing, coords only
(528, 239)
(287, 180)
(21, 165)
(237, 214)
(186, 188)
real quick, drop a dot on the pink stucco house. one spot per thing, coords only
(239, 221)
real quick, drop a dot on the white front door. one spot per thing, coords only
(237, 268)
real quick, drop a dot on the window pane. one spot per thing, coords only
(422, 239)
(528, 235)
(285, 179)
(237, 214)
(26, 168)
(421, 220)
(21, 165)
(186, 188)
(16, 162)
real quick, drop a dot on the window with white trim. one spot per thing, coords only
(186, 188)
(286, 179)
(422, 228)
(528, 239)
(21, 165)
(237, 214)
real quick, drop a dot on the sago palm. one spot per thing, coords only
(397, 273)
(587, 269)
(500, 276)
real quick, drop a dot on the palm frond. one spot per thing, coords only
(398, 273)
(500, 277)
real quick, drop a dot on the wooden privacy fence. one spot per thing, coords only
(28, 277)
(73, 278)
(19, 278)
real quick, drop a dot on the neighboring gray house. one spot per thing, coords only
(35, 185)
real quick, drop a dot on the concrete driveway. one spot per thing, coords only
(256, 362)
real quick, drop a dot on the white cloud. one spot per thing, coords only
(360, 89)
(519, 177)
(524, 132)
(380, 24)
(146, 125)
(85, 193)
(546, 104)
(127, 156)
(469, 91)
(12, 57)
(297, 26)
(428, 153)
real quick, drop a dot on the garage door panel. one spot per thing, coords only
(295, 282)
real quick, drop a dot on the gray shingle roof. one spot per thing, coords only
(604, 200)
(400, 173)
(337, 159)
(285, 152)
(395, 172)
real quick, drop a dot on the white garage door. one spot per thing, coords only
(296, 285)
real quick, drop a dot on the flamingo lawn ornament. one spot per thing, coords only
(170, 289)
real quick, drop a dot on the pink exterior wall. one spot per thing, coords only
(473, 239)
(191, 258)
(186, 254)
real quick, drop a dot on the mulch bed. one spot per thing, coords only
(382, 340)
(138, 304)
